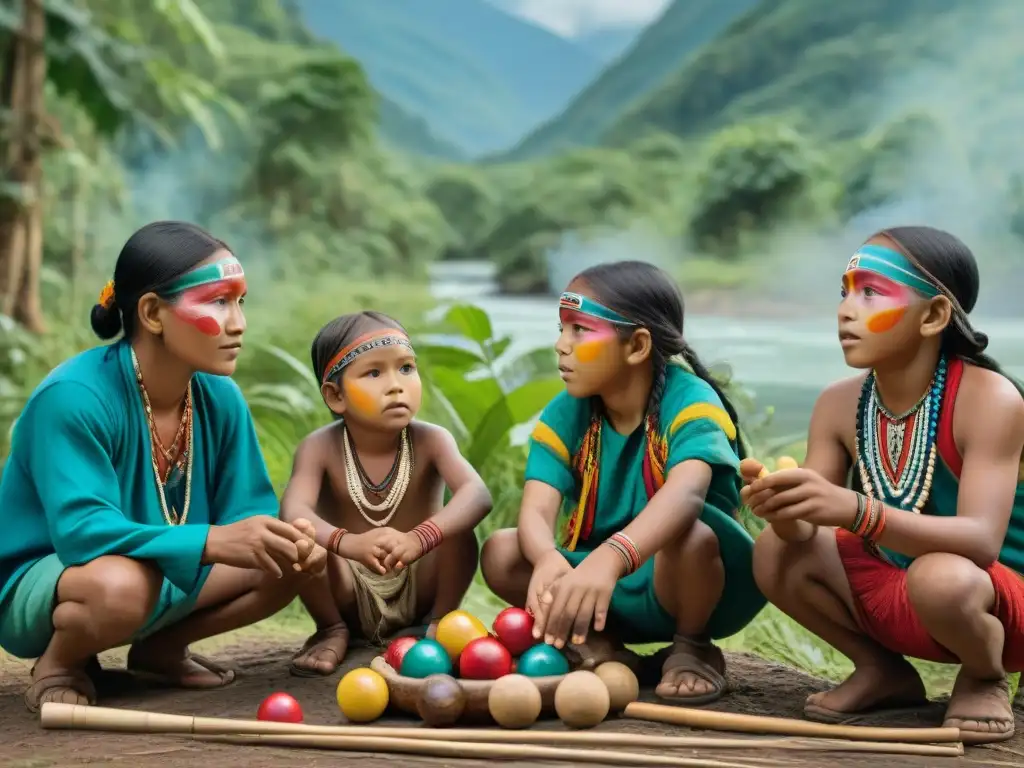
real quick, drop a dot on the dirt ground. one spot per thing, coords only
(757, 687)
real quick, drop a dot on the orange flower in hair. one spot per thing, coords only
(106, 299)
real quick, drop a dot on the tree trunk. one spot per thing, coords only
(21, 230)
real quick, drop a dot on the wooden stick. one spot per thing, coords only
(470, 750)
(782, 726)
(56, 715)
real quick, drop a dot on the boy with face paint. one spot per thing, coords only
(903, 533)
(373, 485)
(642, 453)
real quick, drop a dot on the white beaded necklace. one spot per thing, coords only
(398, 487)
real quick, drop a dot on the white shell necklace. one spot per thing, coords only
(398, 487)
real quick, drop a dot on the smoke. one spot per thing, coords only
(577, 252)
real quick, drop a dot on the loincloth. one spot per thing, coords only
(885, 613)
(386, 602)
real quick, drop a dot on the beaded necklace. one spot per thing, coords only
(399, 477)
(183, 460)
(893, 467)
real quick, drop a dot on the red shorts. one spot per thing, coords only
(885, 613)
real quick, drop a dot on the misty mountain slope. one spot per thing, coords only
(840, 71)
(249, 27)
(667, 42)
(479, 76)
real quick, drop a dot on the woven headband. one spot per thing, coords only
(385, 337)
(579, 303)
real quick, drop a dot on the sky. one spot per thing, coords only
(570, 18)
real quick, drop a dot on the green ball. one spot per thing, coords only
(542, 660)
(424, 658)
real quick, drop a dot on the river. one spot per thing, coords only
(784, 363)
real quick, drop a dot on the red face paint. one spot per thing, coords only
(208, 307)
(882, 302)
(591, 336)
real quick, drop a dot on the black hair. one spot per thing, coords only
(341, 332)
(648, 296)
(152, 258)
(947, 262)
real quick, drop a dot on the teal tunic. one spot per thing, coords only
(79, 484)
(695, 426)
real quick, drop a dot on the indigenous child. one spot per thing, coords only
(923, 555)
(643, 450)
(372, 483)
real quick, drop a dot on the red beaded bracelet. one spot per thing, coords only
(429, 534)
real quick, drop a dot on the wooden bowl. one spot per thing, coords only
(404, 692)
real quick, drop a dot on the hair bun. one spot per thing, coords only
(106, 321)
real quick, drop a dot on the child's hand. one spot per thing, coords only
(751, 469)
(580, 598)
(407, 550)
(549, 569)
(370, 548)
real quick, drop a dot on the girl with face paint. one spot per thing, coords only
(135, 497)
(920, 553)
(373, 483)
(642, 449)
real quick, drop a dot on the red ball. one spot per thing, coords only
(396, 651)
(484, 659)
(514, 628)
(280, 707)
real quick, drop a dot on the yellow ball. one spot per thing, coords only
(457, 629)
(786, 462)
(362, 695)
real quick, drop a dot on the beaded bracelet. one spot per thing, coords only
(874, 531)
(861, 510)
(335, 540)
(627, 550)
(429, 535)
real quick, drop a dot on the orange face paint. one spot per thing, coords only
(882, 302)
(361, 401)
(208, 307)
(591, 336)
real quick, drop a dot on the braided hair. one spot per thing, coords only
(947, 262)
(648, 296)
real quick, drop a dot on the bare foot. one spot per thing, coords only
(693, 673)
(322, 653)
(981, 709)
(65, 686)
(892, 685)
(181, 669)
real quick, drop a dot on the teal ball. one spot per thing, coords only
(425, 658)
(542, 660)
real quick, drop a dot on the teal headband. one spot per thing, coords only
(578, 303)
(893, 265)
(225, 269)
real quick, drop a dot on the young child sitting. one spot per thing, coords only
(372, 483)
(643, 449)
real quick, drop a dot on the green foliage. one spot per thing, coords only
(469, 204)
(752, 174)
(893, 159)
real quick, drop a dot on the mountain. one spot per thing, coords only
(609, 43)
(842, 72)
(479, 76)
(667, 42)
(277, 26)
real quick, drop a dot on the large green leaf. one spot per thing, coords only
(471, 322)
(515, 408)
(447, 356)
